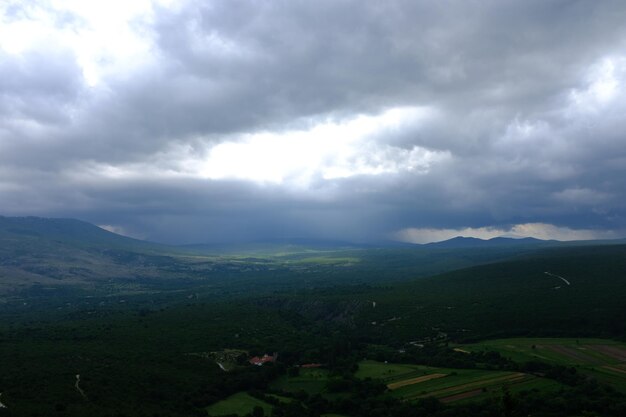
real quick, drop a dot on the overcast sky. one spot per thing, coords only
(233, 120)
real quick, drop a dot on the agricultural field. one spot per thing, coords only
(239, 404)
(603, 359)
(412, 382)
(388, 372)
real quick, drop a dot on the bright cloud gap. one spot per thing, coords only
(329, 150)
(190, 121)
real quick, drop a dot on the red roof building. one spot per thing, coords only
(259, 361)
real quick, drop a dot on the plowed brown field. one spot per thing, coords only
(615, 352)
(412, 381)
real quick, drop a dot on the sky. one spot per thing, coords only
(231, 120)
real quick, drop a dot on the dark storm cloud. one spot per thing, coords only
(525, 100)
(28, 93)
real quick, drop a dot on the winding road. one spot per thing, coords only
(82, 393)
(558, 276)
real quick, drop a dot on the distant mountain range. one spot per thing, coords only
(86, 235)
(64, 253)
(472, 242)
(460, 242)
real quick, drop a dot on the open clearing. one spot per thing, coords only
(575, 355)
(312, 381)
(390, 372)
(240, 404)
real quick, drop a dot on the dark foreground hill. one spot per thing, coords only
(559, 291)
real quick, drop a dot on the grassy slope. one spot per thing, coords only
(240, 404)
(389, 372)
(65, 252)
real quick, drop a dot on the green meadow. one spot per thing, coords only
(312, 381)
(239, 404)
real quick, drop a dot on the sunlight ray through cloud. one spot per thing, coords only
(328, 150)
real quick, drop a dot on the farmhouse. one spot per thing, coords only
(260, 361)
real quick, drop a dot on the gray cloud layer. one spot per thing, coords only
(524, 99)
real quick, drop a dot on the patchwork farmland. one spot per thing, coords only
(604, 360)
(412, 382)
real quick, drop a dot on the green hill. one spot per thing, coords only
(559, 291)
(62, 253)
(50, 228)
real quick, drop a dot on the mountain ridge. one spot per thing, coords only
(68, 231)
(471, 242)
(55, 253)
